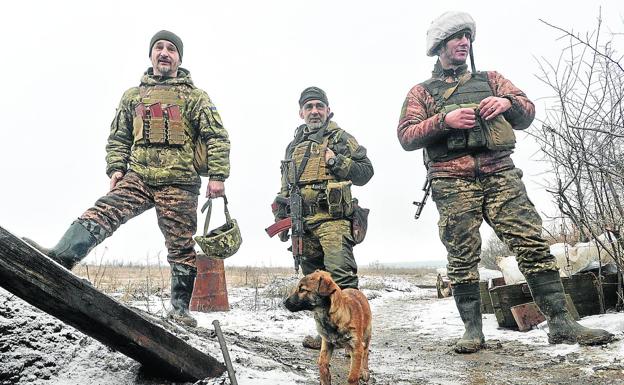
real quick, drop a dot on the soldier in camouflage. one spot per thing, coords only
(464, 122)
(156, 139)
(336, 161)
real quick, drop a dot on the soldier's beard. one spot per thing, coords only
(315, 125)
(165, 69)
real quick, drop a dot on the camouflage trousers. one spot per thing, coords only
(176, 211)
(501, 200)
(329, 246)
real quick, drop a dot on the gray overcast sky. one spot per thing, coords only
(66, 65)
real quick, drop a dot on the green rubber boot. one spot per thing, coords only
(75, 244)
(182, 283)
(547, 291)
(468, 301)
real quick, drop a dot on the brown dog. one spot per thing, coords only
(343, 319)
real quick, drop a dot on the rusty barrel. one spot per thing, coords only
(210, 291)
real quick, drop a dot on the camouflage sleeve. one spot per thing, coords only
(120, 138)
(279, 208)
(206, 119)
(522, 111)
(284, 190)
(419, 124)
(352, 163)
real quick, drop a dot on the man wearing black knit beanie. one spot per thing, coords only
(153, 161)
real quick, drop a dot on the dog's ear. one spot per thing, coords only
(326, 286)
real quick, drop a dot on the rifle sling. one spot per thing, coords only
(303, 164)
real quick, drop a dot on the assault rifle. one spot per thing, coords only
(420, 205)
(294, 221)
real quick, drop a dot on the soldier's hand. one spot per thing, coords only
(329, 154)
(216, 189)
(283, 236)
(462, 118)
(116, 177)
(492, 106)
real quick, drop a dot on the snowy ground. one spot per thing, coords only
(413, 333)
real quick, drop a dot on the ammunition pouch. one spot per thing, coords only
(309, 209)
(339, 200)
(359, 222)
(158, 118)
(496, 134)
(500, 134)
(154, 125)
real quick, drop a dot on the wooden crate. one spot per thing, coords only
(583, 289)
(486, 300)
(504, 298)
(609, 287)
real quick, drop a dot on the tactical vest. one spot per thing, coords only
(324, 196)
(158, 118)
(316, 170)
(494, 135)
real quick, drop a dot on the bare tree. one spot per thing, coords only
(582, 137)
(493, 248)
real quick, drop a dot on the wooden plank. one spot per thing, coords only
(43, 283)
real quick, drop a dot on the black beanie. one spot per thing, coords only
(312, 93)
(169, 36)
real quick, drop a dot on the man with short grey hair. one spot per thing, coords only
(464, 121)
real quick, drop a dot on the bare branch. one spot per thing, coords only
(581, 41)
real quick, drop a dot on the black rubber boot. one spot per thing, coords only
(547, 291)
(182, 283)
(75, 244)
(468, 301)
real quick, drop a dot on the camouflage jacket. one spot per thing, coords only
(165, 165)
(419, 125)
(352, 164)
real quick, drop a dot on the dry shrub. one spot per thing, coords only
(130, 283)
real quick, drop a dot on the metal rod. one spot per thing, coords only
(226, 354)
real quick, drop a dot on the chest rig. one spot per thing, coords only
(473, 90)
(315, 170)
(467, 92)
(158, 117)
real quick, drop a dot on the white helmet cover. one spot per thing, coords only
(445, 25)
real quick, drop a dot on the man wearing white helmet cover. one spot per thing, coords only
(464, 121)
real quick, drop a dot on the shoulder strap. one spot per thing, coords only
(462, 80)
(208, 205)
(303, 163)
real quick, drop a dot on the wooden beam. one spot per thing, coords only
(45, 284)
